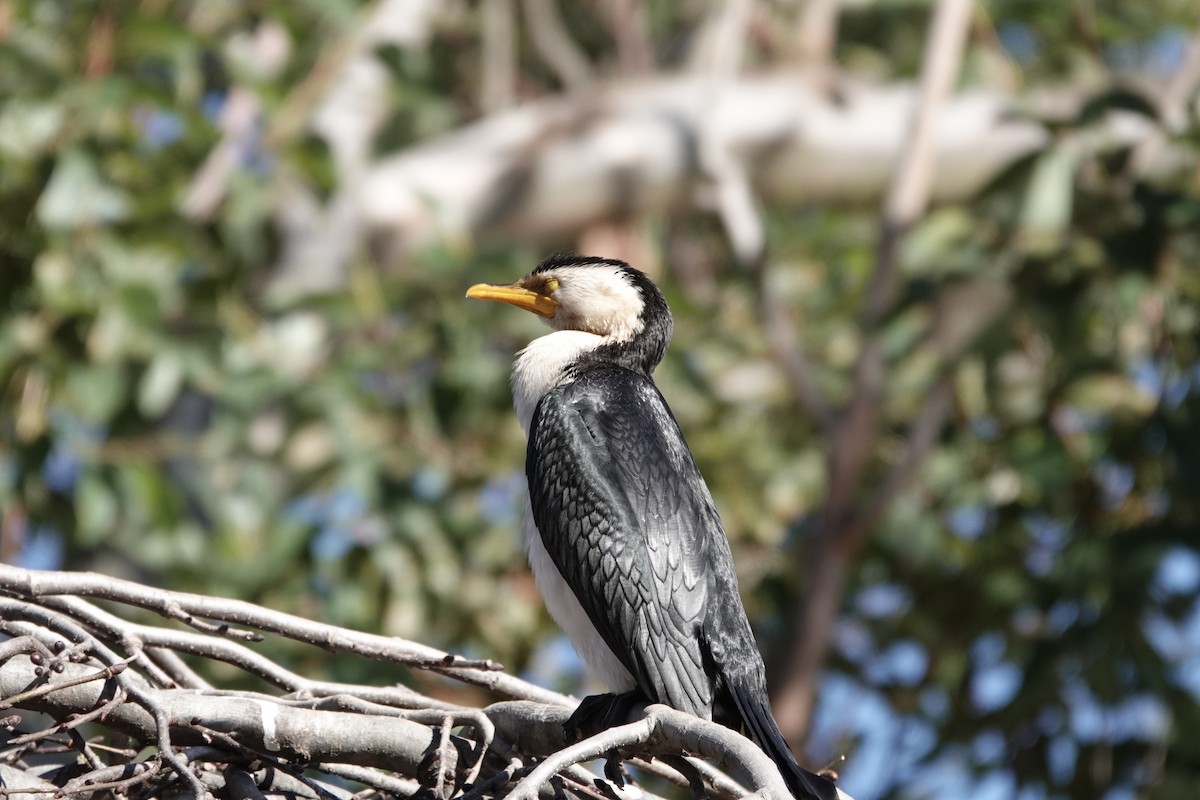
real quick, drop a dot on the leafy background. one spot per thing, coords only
(1023, 621)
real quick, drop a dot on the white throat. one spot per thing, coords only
(541, 366)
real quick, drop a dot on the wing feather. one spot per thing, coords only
(626, 518)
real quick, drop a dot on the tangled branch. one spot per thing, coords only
(120, 707)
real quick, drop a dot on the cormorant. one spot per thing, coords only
(623, 537)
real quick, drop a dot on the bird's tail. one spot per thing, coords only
(760, 726)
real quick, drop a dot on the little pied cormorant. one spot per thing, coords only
(624, 540)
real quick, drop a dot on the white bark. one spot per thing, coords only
(262, 723)
(62, 656)
(550, 168)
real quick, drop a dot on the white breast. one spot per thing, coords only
(565, 609)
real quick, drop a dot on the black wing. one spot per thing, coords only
(626, 517)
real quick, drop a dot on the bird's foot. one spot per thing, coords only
(614, 769)
(600, 712)
(688, 770)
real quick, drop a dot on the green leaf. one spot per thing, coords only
(97, 390)
(1049, 201)
(27, 129)
(96, 509)
(1111, 395)
(77, 196)
(160, 384)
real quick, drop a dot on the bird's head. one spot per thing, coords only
(600, 296)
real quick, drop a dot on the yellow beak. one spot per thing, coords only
(515, 295)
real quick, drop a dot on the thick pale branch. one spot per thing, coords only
(262, 724)
(912, 186)
(65, 660)
(734, 199)
(663, 731)
(550, 169)
(817, 33)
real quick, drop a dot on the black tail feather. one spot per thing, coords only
(761, 728)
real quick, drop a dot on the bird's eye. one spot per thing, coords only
(550, 286)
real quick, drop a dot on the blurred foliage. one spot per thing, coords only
(1027, 612)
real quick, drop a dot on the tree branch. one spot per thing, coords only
(734, 198)
(555, 45)
(497, 84)
(661, 731)
(81, 664)
(855, 434)
(185, 607)
(817, 34)
(549, 169)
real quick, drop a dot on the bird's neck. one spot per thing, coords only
(545, 364)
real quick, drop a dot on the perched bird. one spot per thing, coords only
(624, 540)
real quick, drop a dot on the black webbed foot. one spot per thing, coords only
(689, 771)
(600, 712)
(614, 769)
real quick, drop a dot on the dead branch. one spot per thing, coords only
(551, 168)
(555, 46)
(188, 607)
(97, 675)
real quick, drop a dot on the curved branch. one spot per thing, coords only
(395, 741)
(549, 169)
(852, 441)
(139, 694)
(662, 731)
(262, 724)
(33, 584)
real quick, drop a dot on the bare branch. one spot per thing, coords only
(356, 733)
(635, 51)
(17, 782)
(662, 731)
(817, 33)
(852, 444)
(221, 650)
(180, 673)
(734, 201)
(263, 724)
(498, 83)
(549, 169)
(630, 735)
(99, 675)
(131, 684)
(73, 722)
(910, 188)
(377, 779)
(555, 45)
(115, 779)
(33, 584)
